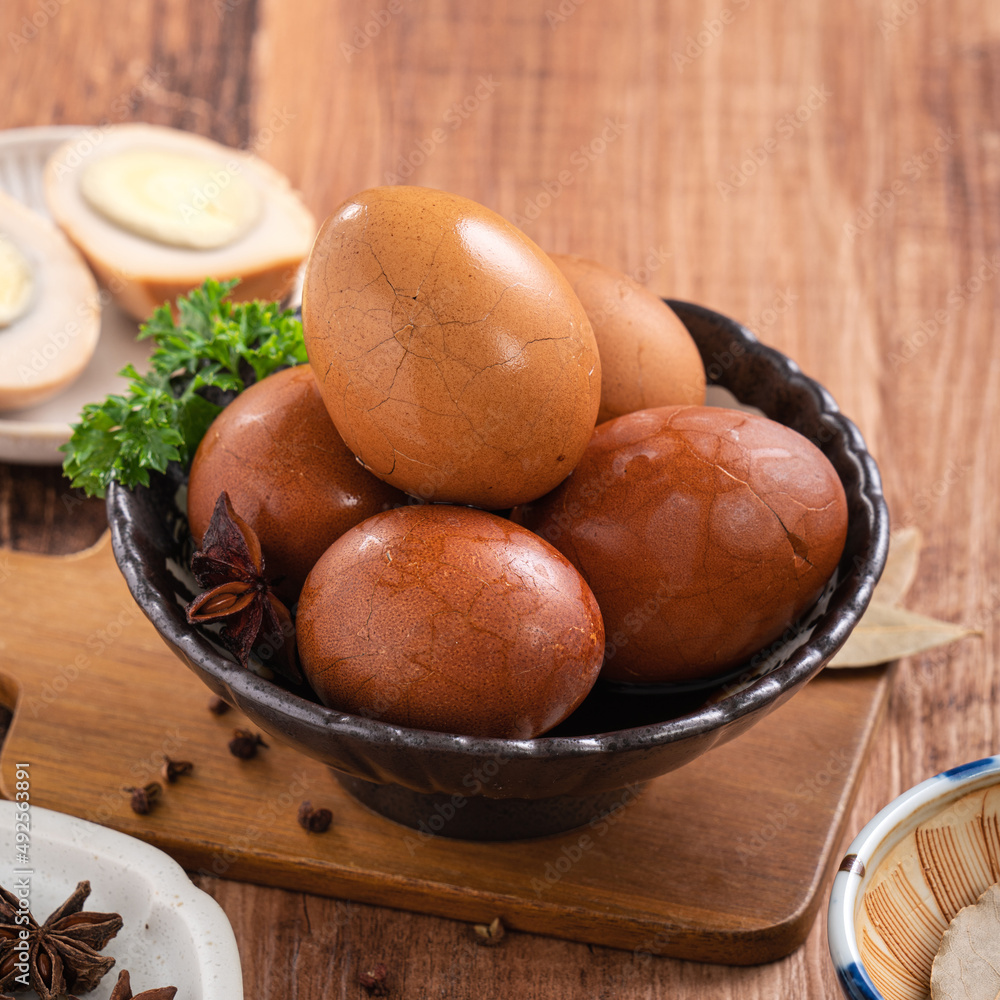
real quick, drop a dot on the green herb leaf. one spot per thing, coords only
(211, 348)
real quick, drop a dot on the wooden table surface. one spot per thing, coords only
(829, 173)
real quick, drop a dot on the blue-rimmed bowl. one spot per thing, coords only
(926, 855)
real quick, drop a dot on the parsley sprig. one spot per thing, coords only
(215, 346)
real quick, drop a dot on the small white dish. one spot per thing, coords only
(173, 935)
(33, 435)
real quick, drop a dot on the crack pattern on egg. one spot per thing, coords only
(703, 532)
(452, 354)
(449, 619)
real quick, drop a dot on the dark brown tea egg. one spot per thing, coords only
(449, 619)
(703, 532)
(289, 475)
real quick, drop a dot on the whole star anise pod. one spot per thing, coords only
(64, 952)
(231, 564)
(123, 991)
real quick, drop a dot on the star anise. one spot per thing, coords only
(231, 564)
(123, 990)
(64, 952)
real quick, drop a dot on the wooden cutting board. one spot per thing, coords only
(726, 860)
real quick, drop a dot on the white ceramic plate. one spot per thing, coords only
(173, 935)
(33, 436)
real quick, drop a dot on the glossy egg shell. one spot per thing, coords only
(449, 619)
(452, 354)
(276, 452)
(703, 532)
(648, 358)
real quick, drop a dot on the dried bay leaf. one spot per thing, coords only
(900, 565)
(967, 965)
(886, 633)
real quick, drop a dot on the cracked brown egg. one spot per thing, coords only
(452, 354)
(276, 452)
(648, 358)
(449, 619)
(703, 532)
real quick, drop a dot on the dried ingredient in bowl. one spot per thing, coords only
(50, 315)
(449, 619)
(275, 452)
(703, 532)
(648, 358)
(967, 965)
(452, 354)
(156, 210)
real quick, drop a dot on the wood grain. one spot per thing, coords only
(857, 310)
(722, 860)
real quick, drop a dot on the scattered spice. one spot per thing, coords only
(144, 798)
(64, 952)
(491, 933)
(244, 744)
(218, 706)
(314, 820)
(123, 990)
(174, 769)
(231, 564)
(374, 979)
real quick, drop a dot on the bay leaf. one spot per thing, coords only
(900, 565)
(967, 965)
(886, 633)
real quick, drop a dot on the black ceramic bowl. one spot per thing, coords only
(478, 788)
